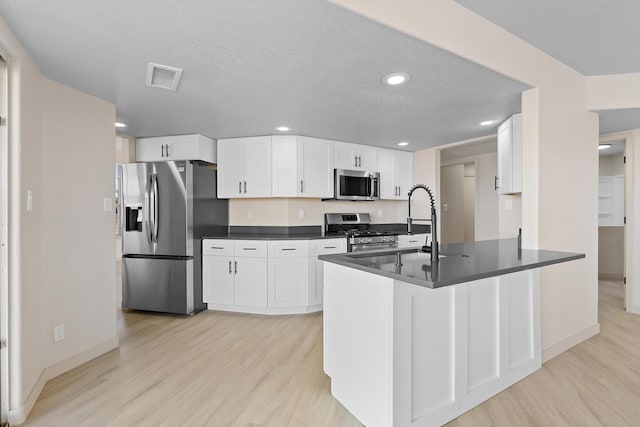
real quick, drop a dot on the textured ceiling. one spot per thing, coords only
(252, 65)
(619, 120)
(592, 36)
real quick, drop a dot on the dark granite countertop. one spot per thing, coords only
(295, 233)
(273, 236)
(462, 262)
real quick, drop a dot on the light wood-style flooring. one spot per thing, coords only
(225, 369)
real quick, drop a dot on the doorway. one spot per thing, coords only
(458, 202)
(469, 200)
(611, 214)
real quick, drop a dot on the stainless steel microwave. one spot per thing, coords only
(356, 185)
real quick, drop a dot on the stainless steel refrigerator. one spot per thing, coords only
(168, 207)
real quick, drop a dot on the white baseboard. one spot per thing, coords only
(19, 415)
(634, 309)
(567, 343)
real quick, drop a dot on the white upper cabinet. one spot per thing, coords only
(179, 147)
(509, 177)
(315, 167)
(396, 173)
(355, 157)
(302, 167)
(244, 167)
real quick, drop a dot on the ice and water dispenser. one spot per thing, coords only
(133, 217)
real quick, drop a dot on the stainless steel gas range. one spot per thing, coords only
(357, 228)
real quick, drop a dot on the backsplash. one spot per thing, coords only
(300, 211)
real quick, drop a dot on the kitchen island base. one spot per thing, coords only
(405, 355)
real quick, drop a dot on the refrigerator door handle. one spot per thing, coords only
(147, 210)
(154, 180)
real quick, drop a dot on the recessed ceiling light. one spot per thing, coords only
(283, 128)
(603, 146)
(121, 125)
(395, 79)
(403, 143)
(487, 123)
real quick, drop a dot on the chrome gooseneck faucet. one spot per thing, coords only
(434, 249)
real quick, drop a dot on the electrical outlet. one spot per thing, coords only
(249, 213)
(58, 332)
(106, 204)
(300, 213)
(379, 213)
(29, 200)
(445, 207)
(508, 205)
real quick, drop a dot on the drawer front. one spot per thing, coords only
(328, 246)
(221, 247)
(288, 248)
(250, 248)
(408, 241)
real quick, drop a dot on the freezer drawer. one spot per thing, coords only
(157, 284)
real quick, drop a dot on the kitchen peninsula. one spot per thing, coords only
(408, 342)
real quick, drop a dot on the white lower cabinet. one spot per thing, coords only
(288, 273)
(221, 289)
(316, 266)
(234, 273)
(267, 277)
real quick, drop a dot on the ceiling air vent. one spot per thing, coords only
(163, 76)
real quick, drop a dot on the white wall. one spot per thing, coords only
(78, 257)
(560, 139)
(61, 255)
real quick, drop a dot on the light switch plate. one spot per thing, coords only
(107, 205)
(29, 201)
(300, 213)
(58, 332)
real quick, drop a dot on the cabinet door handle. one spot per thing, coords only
(359, 161)
(167, 149)
(229, 267)
(162, 147)
(217, 247)
(245, 187)
(240, 187)
(235, 267)
(301, 186)
(248, 249)
(495, 182)
(288, 249)
(399, 191)
(329, 247)
(355, 161)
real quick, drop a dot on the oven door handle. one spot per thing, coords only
(372, 246)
